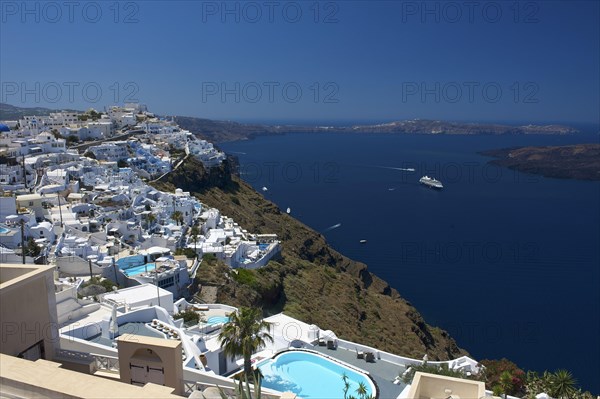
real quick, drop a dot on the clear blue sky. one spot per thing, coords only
(351, 60)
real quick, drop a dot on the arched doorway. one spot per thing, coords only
(146, 366)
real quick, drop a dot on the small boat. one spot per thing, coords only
(363, 241)
(288, 211)
(265, 189)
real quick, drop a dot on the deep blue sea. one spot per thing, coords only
(507, 262)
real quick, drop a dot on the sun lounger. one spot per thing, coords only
(330, 345)
(370, 357)
(360, 354)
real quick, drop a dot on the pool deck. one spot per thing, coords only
(207, 314)
(382, 372)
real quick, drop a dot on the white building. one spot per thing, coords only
(111, 151)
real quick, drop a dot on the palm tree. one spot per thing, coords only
(146, 219)
(562, 383)
(346, 385)
(245, 392)
(506, 383)
(361, 390)
(177, 216)
(244, 334)
(194, 233)
(151, 219)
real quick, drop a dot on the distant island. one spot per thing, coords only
(222, 131)
(579, 161)
(10, 112)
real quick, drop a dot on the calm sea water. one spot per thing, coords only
(507, 262)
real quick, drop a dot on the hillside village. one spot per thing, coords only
(91, 202)
(99, 267)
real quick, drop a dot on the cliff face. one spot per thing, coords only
(310, 281)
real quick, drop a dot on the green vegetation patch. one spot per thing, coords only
(246, 277)
(189, 317)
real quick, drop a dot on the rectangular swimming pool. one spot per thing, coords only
(134, 265)
(135, 270)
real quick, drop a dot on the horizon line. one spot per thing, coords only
(338, 122)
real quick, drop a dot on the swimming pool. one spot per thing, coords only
(130, 261)
(217, 320)
(4, 230)
(134, 265)
(135, 270)
(310, 375)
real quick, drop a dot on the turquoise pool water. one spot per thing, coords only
(134, 265)
(217, 320)
(135, 270)
(4, 230)
(310, 375)
(130, 261)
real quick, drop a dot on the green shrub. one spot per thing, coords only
(493, 371)
(31, 248)
(103, 282)
(72, 140)
(209, 258)
(188, 252)
(432, 369)
(188, 316)
(245, 276)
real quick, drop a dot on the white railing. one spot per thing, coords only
(467, 363)
(112, 302)
(230, 392)
(106, 363)
(189, 387)
(65, 354)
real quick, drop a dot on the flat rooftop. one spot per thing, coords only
(25, 379)
(137, 294)
(14, 273)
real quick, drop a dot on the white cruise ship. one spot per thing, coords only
(431, 182)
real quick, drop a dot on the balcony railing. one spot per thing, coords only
(106, 363)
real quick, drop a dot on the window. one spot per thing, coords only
(167, 282)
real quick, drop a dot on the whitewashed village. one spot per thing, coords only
(77, 207)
